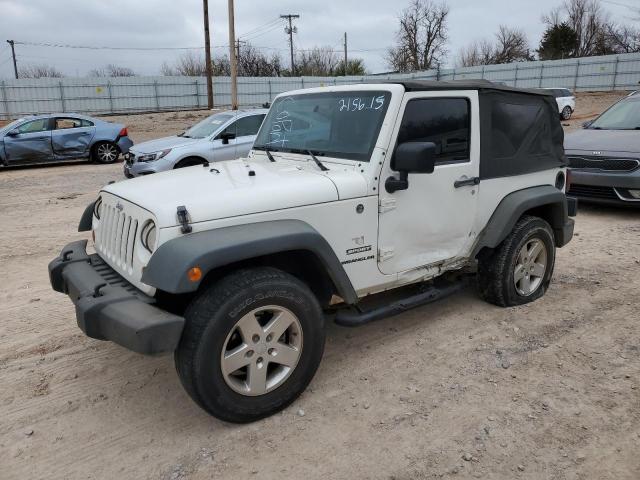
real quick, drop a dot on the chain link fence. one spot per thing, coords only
(147, 94)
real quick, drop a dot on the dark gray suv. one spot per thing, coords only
(604, 157)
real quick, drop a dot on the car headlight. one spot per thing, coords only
(148, 235)
(97, 207)
(152, 157)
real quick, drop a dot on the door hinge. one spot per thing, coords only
(386, 204)
(385, 253)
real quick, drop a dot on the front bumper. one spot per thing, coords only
(137, 169)
(108, 307)
(605, 187)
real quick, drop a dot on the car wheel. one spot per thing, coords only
(566, 113)
(105, 152)
(252, 343)
(519, 270)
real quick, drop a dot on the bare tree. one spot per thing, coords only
(251, 63)
(623, 39)
(510, 45)
(39, 71)
(421, 38)
(112, 70)
(318, 61)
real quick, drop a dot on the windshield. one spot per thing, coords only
(207, 126)
(11, 125)
(336, 124)
(624, 115)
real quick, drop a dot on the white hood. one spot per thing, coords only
(209, 195)
(164, 143)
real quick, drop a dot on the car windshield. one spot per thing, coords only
(336, 124)
(624, 115)
(207, 126)
(11, 125)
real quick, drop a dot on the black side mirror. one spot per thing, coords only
(411, 157)
(587, 124)
(226, 136)
(13, 133)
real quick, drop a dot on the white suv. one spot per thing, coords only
(566, 101)
(356, 203)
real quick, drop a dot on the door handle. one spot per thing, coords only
(464, 182)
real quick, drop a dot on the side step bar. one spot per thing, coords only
(351, 318)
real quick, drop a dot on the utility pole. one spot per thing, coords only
(238, 43)
(207, 54)
(291, 30)
(13, 53)
(345, 53)
(233, 59)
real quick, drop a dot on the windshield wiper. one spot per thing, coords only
(318, 162)
(266, 150)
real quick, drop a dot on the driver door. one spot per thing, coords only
(225, 149)
(31, 144)
(433, 219)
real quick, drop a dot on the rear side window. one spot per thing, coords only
(249, 125)
(87, 123)
(443, 121)
(518, 129)
(63, 123)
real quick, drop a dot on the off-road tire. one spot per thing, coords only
(213, 314)
(495, 278)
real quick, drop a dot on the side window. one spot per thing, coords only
(41, 125)
(64, 123)
(230, 129)
(249, 125)
(87, 123)
(443, 121)
(567, 93)
(514, 126)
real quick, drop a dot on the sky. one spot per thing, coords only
(172, 24)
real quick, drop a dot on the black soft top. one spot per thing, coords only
(486, 85)
(520, 130)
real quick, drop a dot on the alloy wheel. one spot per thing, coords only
(531, 267)
(262, 350)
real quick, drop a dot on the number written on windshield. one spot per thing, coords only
(358, 104)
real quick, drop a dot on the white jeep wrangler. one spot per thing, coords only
(355, 203)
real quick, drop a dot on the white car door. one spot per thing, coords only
(433, 219)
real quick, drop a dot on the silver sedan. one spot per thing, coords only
(222, 136)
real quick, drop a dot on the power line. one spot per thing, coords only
(88, 47)
(259, 34)
(250, 32)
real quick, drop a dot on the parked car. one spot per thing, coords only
(566, 101)
(64, 136)
(604, 156)
(377, 195)
(222, 136)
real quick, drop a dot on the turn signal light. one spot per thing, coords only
(194, 274)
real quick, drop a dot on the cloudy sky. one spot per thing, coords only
(152, 24)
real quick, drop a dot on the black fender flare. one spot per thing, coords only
(86, 220)
(167, 269)
(514, 205)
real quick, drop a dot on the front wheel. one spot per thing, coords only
(519, 270)
(105, 152)
(252, 343)
(566, 113)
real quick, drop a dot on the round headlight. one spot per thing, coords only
(148, 236)
(96, 208)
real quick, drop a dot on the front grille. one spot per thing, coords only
(592, 191)
(113, 278)
(116, 236)
(604, 163)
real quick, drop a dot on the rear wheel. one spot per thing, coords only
(105, 152)
(519, 270)
(252, 343)
(566, 113)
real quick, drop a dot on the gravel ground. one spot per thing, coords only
(456, 389)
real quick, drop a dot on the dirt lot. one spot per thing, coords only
(457, 389)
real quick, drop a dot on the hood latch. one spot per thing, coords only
(183, 218)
